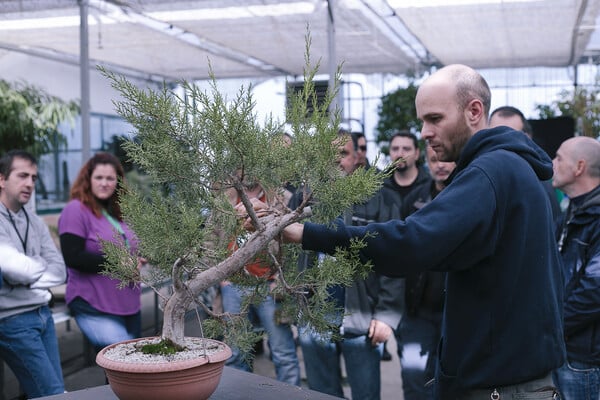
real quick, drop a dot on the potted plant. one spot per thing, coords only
(197, 148)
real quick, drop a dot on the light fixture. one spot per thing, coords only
(112, 13)
(265, 10)
(449, 3)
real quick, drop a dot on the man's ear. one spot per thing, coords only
(580, 167)
(474, 112)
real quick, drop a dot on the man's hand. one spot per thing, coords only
(260, 208)
(291, 234)
(379, 332)
(141, 262)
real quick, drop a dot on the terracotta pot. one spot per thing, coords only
(195, 378)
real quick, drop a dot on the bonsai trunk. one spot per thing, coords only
(185, 292)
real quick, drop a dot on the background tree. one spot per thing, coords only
(582, 104)
(136, 178)
(396, 112)
(29, 118)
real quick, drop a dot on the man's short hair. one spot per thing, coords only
(509, 111)
(406, 134)
(358, 135)
(343, 132)
(6, 161)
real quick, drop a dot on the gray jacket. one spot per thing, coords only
(27, 276)
(376, 297)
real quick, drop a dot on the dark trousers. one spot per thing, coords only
(417, 338)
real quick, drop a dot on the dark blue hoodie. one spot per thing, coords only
(491, 229)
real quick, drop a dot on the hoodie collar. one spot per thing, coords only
(505, 138)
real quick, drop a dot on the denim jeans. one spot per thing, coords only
(578, 381)
(102, 329)
(323, 369)
(29, 346)
(280, 336)
(417, 339)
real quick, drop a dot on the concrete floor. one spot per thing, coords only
(80, 375)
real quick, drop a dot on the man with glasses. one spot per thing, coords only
(361, 150)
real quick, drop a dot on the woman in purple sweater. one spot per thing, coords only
(104, 313)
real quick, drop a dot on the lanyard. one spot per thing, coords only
(563, 234)
(117, 226)
(12, 221)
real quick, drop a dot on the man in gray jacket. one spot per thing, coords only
(30, 265)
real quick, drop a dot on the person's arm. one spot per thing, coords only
(73, 228)
(582, 306)
(388, 310)
(18, 268)
(77, 257)
(390, 300)
(456, 230)
(55, 272)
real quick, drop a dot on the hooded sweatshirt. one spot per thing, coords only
(491, 230)
(27, 275)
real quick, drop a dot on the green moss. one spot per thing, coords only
(164, 347)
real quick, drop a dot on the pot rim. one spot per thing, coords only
(166, 366)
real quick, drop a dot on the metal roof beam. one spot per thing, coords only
(125, 13)
(70, 59)
(391, 26)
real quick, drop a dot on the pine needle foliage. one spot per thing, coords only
(199, 148)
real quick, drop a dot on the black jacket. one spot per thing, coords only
(392, 194)
(580, 252)
(424, 290)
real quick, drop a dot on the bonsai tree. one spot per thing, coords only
(197, 149)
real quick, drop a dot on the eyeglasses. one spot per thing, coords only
(363, 147)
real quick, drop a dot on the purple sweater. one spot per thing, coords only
(99, 290)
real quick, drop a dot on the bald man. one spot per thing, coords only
(577, 174)
(502, 325)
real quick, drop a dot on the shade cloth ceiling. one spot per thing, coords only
(253, 38)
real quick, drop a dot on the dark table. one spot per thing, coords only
(234, 385)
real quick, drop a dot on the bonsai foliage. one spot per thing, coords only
(29, 118)
(583, 104)
(200, 149)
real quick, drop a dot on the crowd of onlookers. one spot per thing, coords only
(489, 287)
